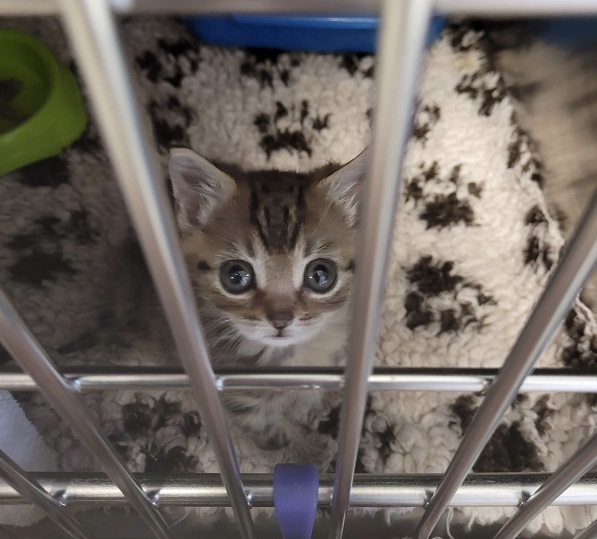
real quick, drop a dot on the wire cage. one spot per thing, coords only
(91, 27)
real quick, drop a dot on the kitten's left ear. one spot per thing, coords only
(344, 186)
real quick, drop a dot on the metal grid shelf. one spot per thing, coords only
(92, 30)
(87, 380)
(368, 490)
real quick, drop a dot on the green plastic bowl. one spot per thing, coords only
(49, 103)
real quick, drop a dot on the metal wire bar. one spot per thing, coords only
(369, 490)
(401, 44)
(574, 468)
(515, 8)
(590, 532)
(24, 348)
(477, 8)
(31, 491)
(574, 268)
(86, 380)
(464, 5)
(92, 29)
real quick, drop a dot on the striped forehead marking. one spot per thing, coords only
(278, 211)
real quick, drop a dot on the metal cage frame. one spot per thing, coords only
(92, 30)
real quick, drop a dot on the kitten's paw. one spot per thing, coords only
(312, 448)
(272, 439)
(333, 399)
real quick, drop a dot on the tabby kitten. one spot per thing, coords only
(271, 257)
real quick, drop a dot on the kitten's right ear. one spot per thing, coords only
(344, 186)
(199, 187)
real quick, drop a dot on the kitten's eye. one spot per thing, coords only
(237, 276)
(320, 275)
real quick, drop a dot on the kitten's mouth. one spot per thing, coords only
(280, 338)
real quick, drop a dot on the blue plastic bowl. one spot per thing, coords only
(346, 33)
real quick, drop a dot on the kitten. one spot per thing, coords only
(271, 256)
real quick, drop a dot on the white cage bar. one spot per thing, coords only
(22, 345)
(573, 469)
(369, 490)
(32, 492)
(590, 532)
(92, 30)
(563, 287)
(91, 26)
(400, 48)
(390, 379)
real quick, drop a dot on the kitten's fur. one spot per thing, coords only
(278, 222)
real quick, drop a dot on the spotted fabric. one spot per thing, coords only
(473, 247)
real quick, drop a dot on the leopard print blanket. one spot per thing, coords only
(473, 247)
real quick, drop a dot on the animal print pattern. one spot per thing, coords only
(474, 244)
(554, 90)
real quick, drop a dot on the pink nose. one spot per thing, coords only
(280, 319)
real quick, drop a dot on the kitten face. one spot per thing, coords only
(271, 253)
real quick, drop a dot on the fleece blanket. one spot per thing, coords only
(473, 247)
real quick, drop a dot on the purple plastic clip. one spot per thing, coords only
(296, 488)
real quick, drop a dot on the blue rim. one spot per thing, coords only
(333, 33)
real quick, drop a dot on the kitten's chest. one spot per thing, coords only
(326, 351)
